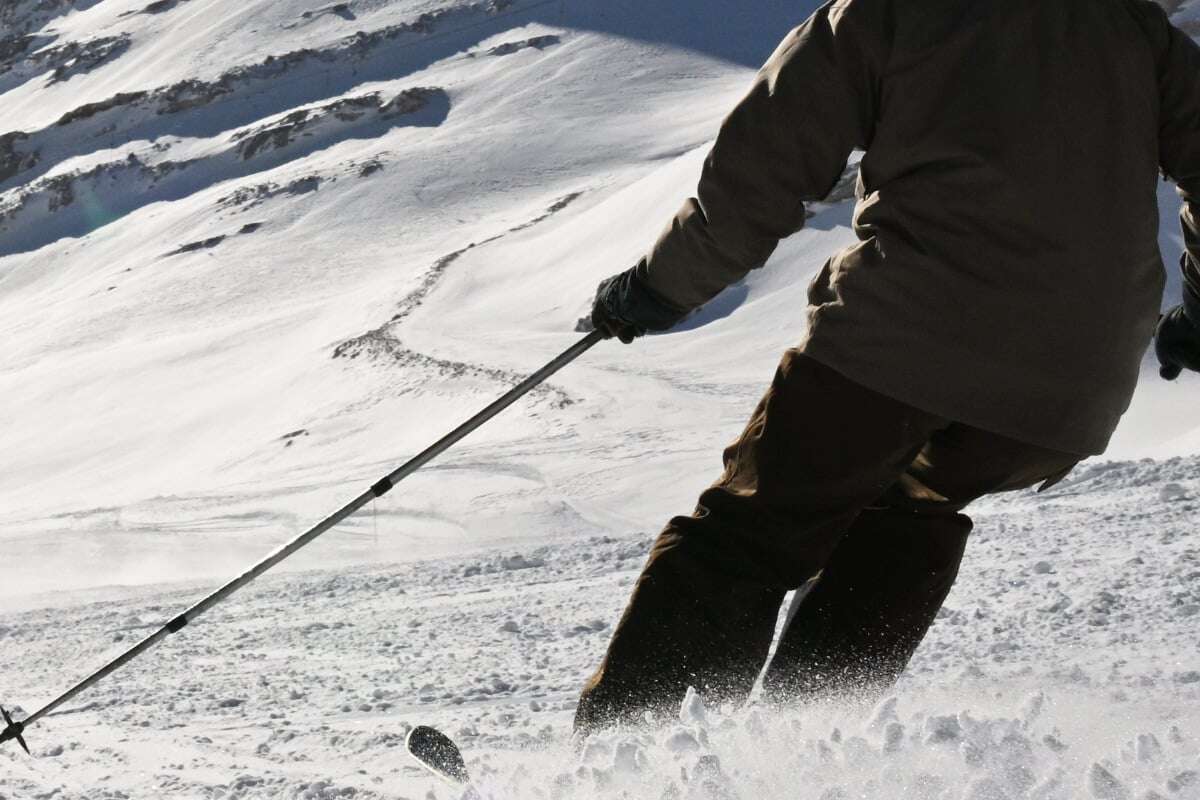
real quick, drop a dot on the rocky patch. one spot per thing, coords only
(289, 439)
(23, 51)
(120, 187)
(212, 241)
(144, 114)
(62, 61)
(192, 247)
(191, 93)
(537, 43)
(369, 167)
(77, 58)
(27, 16)
(157, 7)
(12, 49)
(248, 197)
(88, 110)
(282, 132)
(341, 10)
(12, 159)
(59, 191)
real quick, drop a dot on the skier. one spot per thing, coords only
(983, 335)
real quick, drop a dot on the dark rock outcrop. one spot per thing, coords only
(77, 58)
(283, 132)
(537, 43)
(12, 160)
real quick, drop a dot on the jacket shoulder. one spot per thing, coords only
(1152, 19)
(864, 15)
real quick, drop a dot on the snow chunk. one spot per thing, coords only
(692, 711)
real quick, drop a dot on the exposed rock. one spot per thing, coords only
(26, 16)
(410, 101)
(157, 7)
(12, 48)
(12, 160)
(77, 58)
(191, 93)
(537, 43)
(272, 136)
(289, 439)
(91, 109)
(282, 132)
(188, 94)
(61, 190)
(192, 247)
(248, 197)
(337, 9)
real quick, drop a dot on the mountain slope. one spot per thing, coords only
(195, 230)
(249, 258)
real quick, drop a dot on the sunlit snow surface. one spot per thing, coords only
(1065, 665)
(254, 254)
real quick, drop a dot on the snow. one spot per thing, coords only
(1032, 684)
(251, 260)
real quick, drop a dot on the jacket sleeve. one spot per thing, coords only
(1179, 139)
(786, 142)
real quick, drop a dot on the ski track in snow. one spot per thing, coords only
(384, 343)
(254, 254)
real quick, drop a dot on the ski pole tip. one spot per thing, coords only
(13, 730)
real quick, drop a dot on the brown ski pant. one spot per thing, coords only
(831, 487)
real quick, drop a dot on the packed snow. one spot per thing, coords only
(255, 254)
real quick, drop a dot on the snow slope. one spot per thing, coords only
(254, 254)
(1055, 671)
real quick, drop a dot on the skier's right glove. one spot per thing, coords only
(1177, 339)
(626, 308)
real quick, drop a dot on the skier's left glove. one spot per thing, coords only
(1177, 339)
(626, 308)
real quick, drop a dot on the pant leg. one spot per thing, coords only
(857, 628)
(816, 451)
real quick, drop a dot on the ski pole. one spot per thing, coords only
(16, 730)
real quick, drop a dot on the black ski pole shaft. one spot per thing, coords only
(14, 730)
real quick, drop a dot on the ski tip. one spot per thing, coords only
(13, 730)
(436, 752)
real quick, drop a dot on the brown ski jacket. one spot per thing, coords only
(1007, 273)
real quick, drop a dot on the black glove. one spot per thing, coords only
(1177, 339)
(626, 308)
